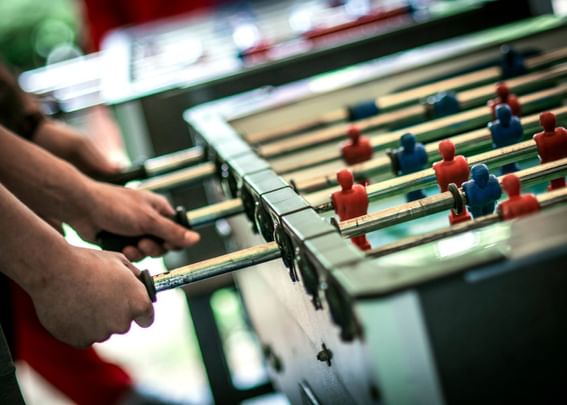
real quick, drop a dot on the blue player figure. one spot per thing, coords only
(482, 191)
(442, 104)
(411, 157)
(506, 130)
(511, 62)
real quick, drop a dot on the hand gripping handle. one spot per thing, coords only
(116, 243)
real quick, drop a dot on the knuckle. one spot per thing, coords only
(120, 256)
(146, 320)
(119, 324)
(159, 198)
(147, 195)
(150, 220)
(123, 328)
(147, 247)
(81, 343)
(134, 254)
(146, 310)
(101, 336)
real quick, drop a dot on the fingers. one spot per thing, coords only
(142, 310)
(131, 267)
(145, 320)
(150, 248)
(148, 214)
(174, 235)
(123, 329)
(133, 253)
(104, 166)
(145, 247)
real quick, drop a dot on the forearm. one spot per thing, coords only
(66, 143)
(80, 295)
(27, 244)
(49, 186)
(53, 137)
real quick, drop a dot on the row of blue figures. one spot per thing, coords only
(411, 157)
(506, 130)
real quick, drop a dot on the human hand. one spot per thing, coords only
(90, 296)
(64, 142)
(127, 212)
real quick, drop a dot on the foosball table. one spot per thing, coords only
(447, 173)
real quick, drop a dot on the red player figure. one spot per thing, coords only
(451, 169)
(357, 149)
(351, 202)
(517, 205)
(551, 145)
(503, 95)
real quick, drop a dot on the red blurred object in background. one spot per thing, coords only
(357, 148)
(106, 15)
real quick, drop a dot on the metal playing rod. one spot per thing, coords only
(374, 167)
(418, 240)
(438, 203)
(269, 251)
(187, 176)
(425, 132)
(321, 200)
(391, 102)
(157, 165)
(411, 115)
(170, 161)
(546, 200)
(382, 165)
(214, 212)
(187, 157)
(210, 268)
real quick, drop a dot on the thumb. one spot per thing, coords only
(141, 306)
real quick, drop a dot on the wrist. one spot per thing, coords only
(43, 266)
(31, 124)
(49, 136)
(84, 199)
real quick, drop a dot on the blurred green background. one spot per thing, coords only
(31, 31)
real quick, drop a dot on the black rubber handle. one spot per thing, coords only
(137, 172)
(116, 243)
(146, 278)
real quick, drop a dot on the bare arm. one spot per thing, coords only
(80, 295)
(20, 113)
(55, 189)
(49, 186)
(79, 150)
